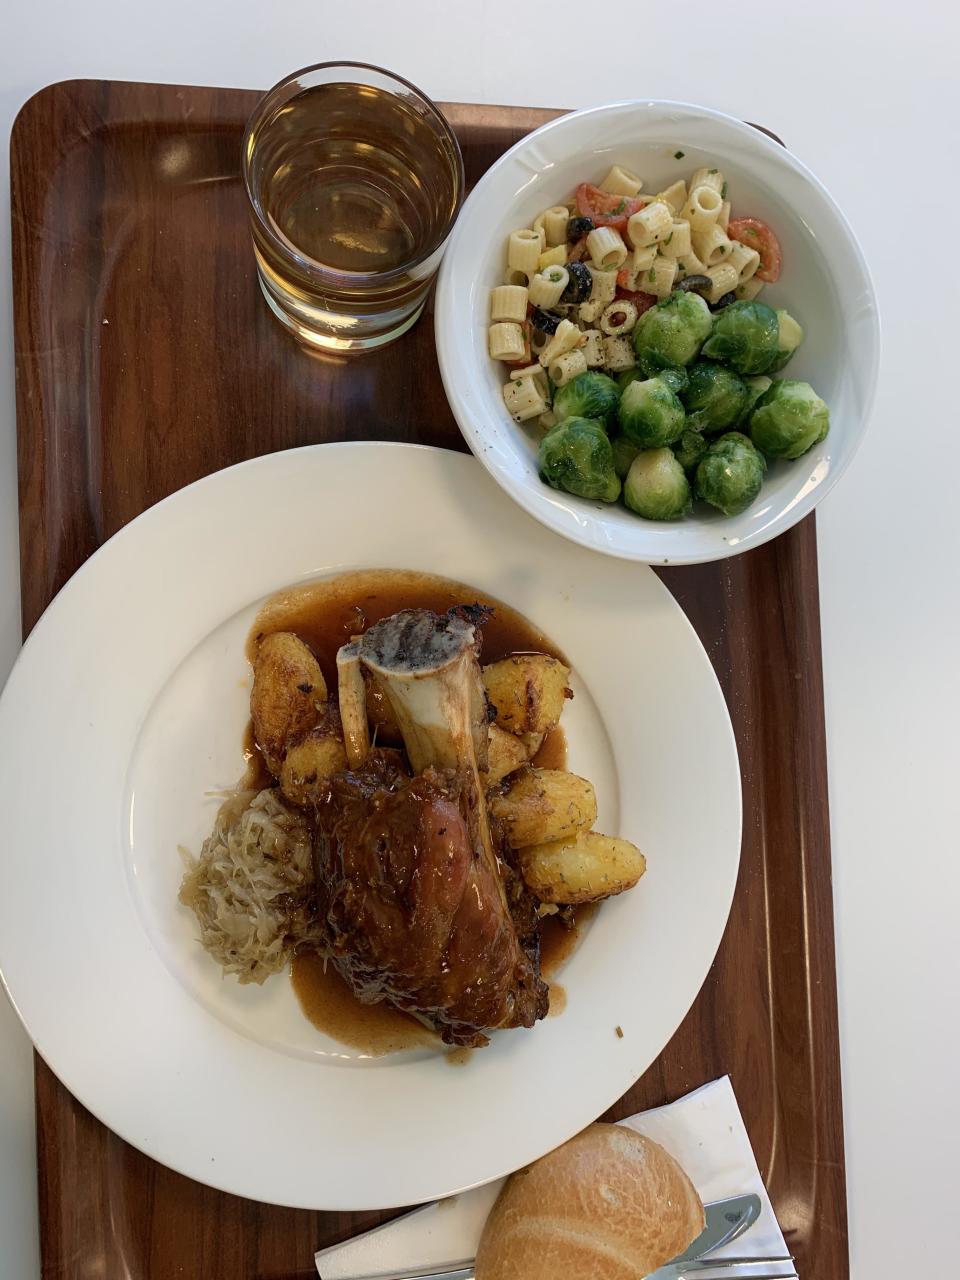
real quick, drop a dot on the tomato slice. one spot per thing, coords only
(757, 235)
(642, 301)
(606, 210)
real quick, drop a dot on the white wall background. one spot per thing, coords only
(866, 94)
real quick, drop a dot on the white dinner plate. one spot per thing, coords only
(125, 712)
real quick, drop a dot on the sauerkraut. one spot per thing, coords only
(251, 889)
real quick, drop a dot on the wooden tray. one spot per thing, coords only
(145, 358)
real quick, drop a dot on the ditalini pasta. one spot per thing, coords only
(578, 282)
(650, 224)
(606, 248)
(702, 208)
(509, 302)
(711, 244)
(621, 182)
(546, 287)
(506, 341)
(746, 261)
(524, 399)
(707, 178)
(538, 374)
(566, 367)
(524, 250)
(661, 277)
(723, 278)
(748, 289)
(677, 242)
(593, 348)
(566, 337)
(603, 286)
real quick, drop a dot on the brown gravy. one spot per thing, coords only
(553, 750)
(332, 1007)
(559, 941)
(458, 1057)
(326, 615)
(256, 775)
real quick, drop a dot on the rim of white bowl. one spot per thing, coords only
(585, 531)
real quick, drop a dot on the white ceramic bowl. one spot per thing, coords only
(825, 284)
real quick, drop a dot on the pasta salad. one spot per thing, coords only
(635, 339)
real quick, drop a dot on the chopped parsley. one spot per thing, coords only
(751, 231)
(678, 155)
(651, 274)
(681, 266)
(723, 192)
(620, 207)
(713, 171)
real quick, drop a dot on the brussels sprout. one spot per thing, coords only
(656, 486)
(676, 379)
(670, 334)
(623, 455)
(789, 419)
(790, 335)
(744, 336)
(576, 455)
(715, 397)
(651, 414)
(730, 473)
(755, 389)
(690, 448)
(629, 375)
(588, 395)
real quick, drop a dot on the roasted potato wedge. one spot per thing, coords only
(528, 691)
(584, 869)
(540, 805)
(317, 755)
(288, 695)
(505, 753)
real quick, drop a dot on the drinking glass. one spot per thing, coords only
(354, 180)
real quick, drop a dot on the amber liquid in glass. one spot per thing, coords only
(359, 183)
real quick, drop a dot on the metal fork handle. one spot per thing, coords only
(777, 1268)
(756, 1275)
(712, 1264)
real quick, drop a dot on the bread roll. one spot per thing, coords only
(608, 1205)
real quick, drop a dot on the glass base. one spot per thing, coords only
(330, 343)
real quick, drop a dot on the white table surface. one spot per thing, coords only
(866, 94)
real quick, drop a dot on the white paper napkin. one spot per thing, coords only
(704, 1132)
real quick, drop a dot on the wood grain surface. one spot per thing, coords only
(146, 358)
